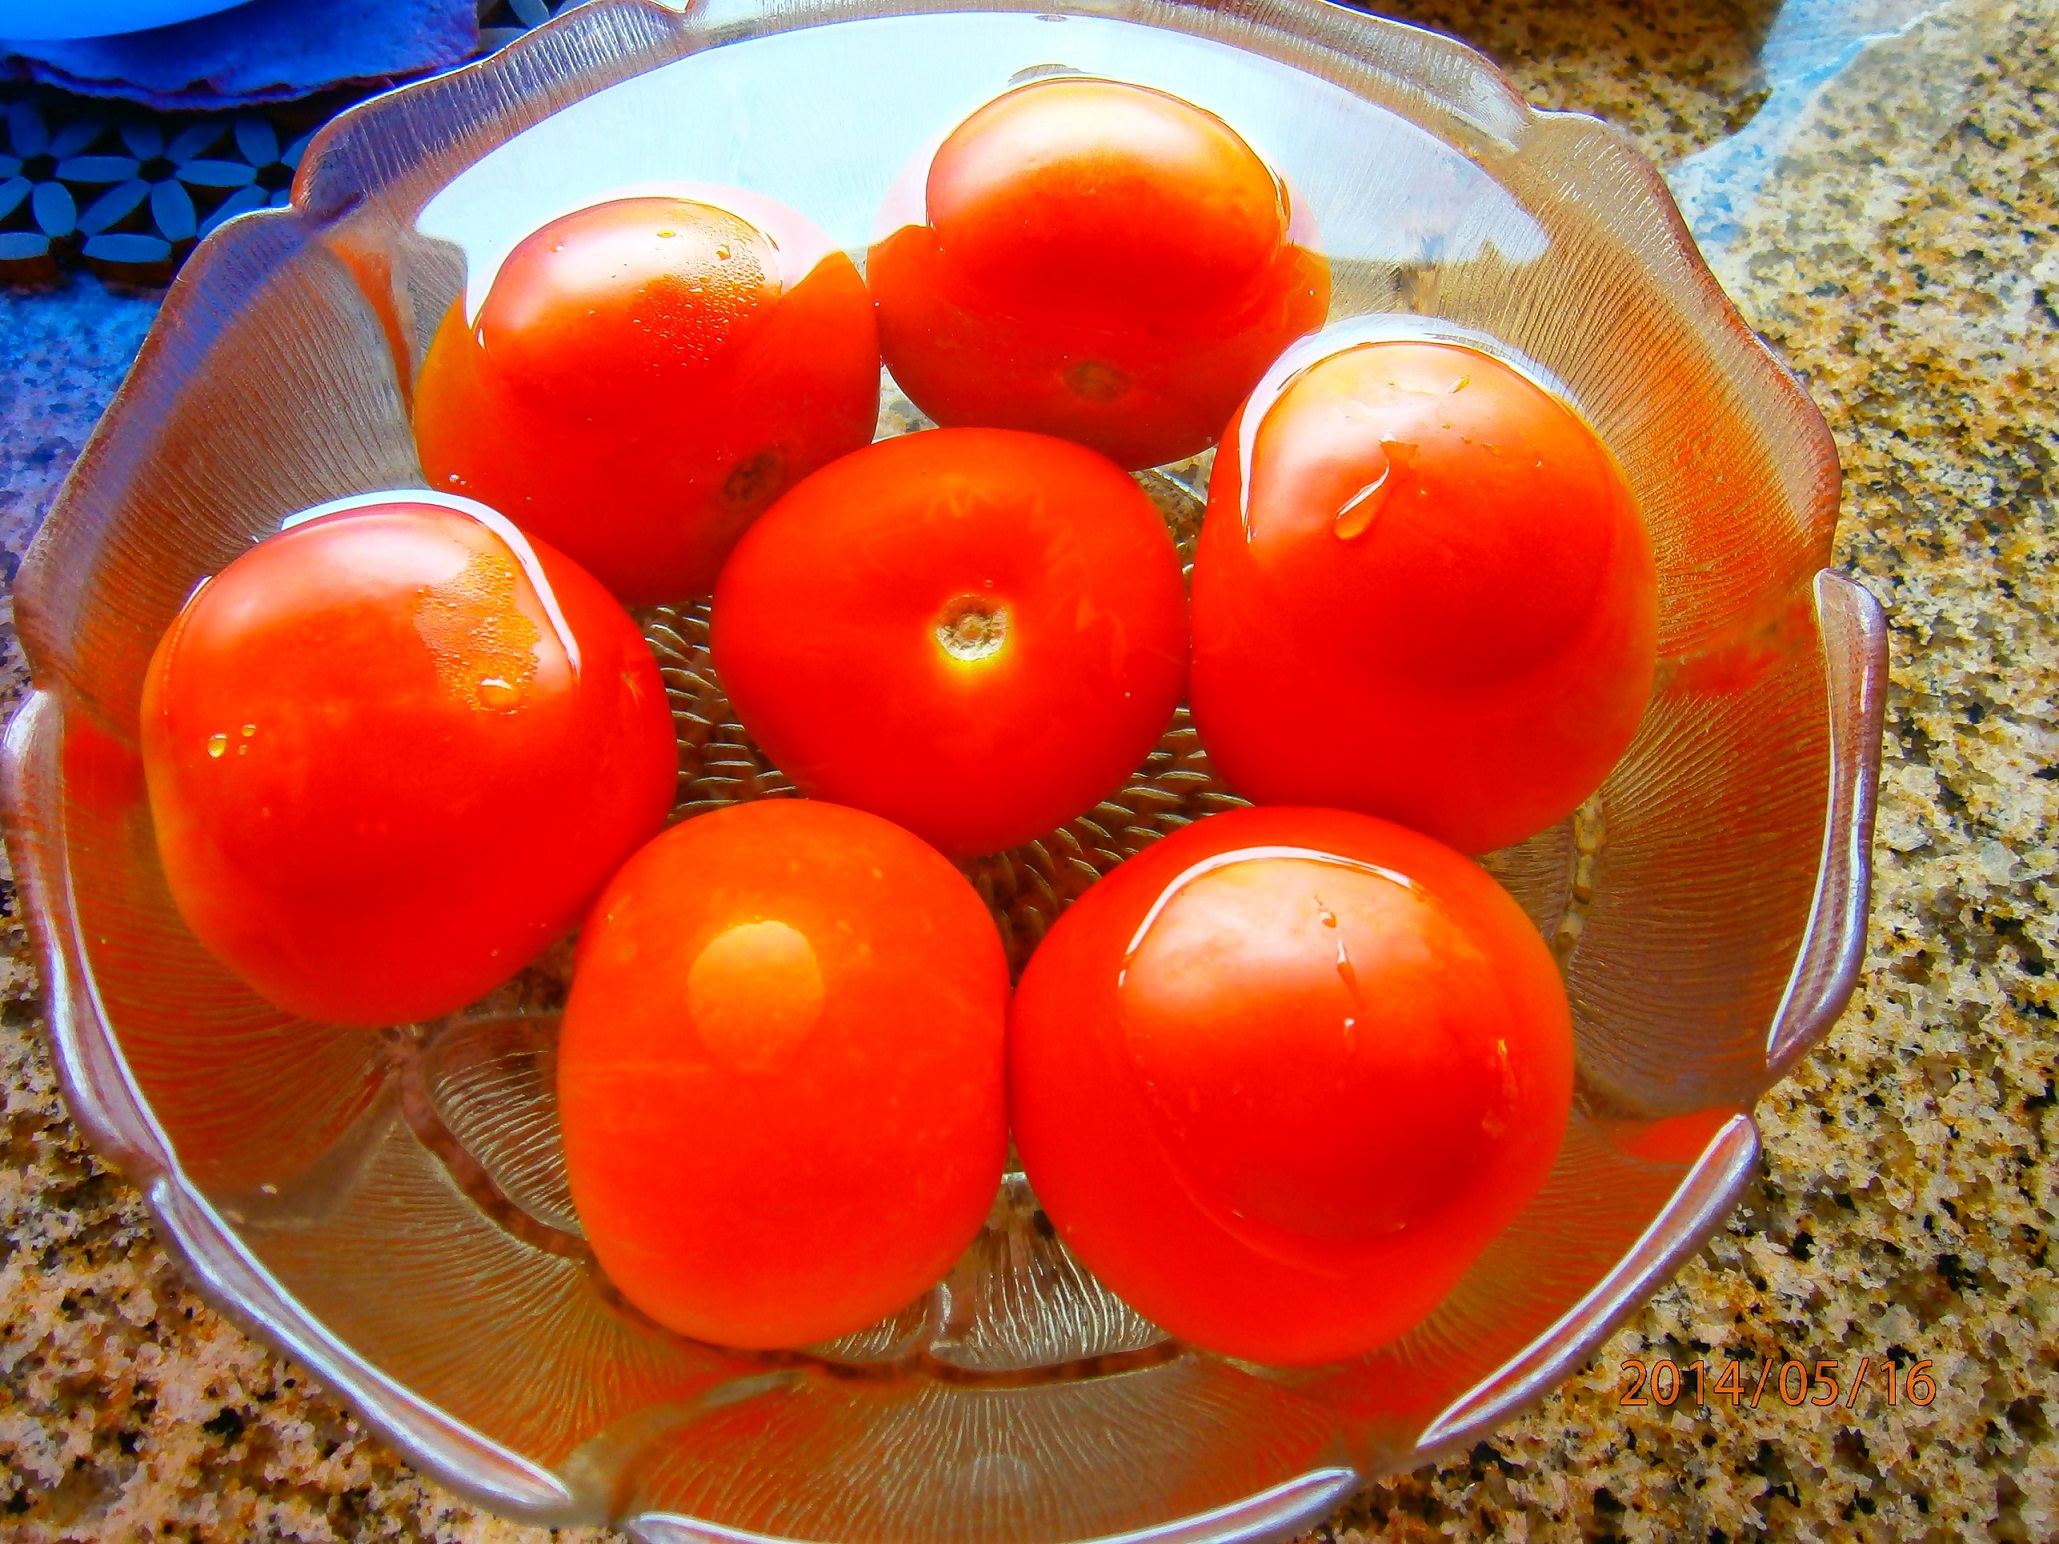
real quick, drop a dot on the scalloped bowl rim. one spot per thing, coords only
(110, 1109)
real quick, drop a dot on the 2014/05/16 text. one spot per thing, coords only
(1666, 1383)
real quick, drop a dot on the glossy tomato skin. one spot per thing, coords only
(646, 376)
(781, 1073)
(1281, 1077)
(976, 633)
(379, 783)
(1433, 599)
(1098, 261)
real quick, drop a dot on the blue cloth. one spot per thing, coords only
(265, 51)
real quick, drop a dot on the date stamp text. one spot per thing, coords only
(1701, 1384)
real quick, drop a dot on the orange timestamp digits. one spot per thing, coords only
(1667, 1383)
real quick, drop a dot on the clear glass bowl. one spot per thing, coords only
(390, 1207)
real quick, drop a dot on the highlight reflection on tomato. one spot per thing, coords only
(391, 755)
(1428, 596)
(974, 632)
(646, 376)
(1098, 261)
(780, 1077)
(1281, 1077)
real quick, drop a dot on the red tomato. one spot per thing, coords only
(1431, 599)
(646, 376)
(1098, 261)
(973, 632)
(1280, 1078)
(781, 1073)
(392, 753)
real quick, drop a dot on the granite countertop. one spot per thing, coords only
(1887, 214)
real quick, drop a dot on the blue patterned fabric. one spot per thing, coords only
(265, 51)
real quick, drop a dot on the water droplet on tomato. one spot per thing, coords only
(1347, 974)
(217, 744)
(1459, 385)
(499, 694)
(1362, 508)
(249, 730)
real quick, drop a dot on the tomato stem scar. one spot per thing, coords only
(972, 627)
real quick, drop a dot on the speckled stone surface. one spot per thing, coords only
(1903, 255)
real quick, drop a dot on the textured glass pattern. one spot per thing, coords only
(391, 1206)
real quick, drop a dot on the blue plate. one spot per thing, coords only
(39, 21)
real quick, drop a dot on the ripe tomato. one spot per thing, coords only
(974, 632)
(393, 752)
(1098, 261)
(646, 376)
(1280, 1078)
(1431, 598)
(780, 1077)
